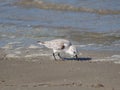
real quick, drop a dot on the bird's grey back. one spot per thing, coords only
(58, 44)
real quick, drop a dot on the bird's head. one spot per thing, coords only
(72, 50)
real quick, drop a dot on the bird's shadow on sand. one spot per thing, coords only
(79, 59)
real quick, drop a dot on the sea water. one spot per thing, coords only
(93, 25)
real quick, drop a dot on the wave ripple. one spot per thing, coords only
(63, 7)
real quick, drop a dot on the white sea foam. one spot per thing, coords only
(117, 44)
(12, 37)
(82, 45)
(86, 45)
(17, 52)
(3, 35)
(36, 55)
(12, 56)
(116, 56)
(14, 43)
(33, 46)
(117, 62)
(113, 58)
(101, 60)
(8, 46)
(19, 48)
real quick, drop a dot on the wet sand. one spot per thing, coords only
(47, 74)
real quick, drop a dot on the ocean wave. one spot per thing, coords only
(114, 58)
(63, 7)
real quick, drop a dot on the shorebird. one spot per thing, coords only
(60, 45)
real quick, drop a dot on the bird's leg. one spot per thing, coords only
(60, 56)
(76, 57)
(54, 56)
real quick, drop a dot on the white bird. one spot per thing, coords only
(60, 45)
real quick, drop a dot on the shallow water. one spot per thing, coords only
(92, 25)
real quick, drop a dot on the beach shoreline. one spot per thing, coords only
(45, 73)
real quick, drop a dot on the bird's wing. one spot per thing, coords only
(59, 46)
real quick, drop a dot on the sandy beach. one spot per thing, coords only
(46, 74)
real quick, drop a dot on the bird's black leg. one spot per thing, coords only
(76, 57)
(54, 56)
(60, 56)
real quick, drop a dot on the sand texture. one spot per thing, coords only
(46, 74)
